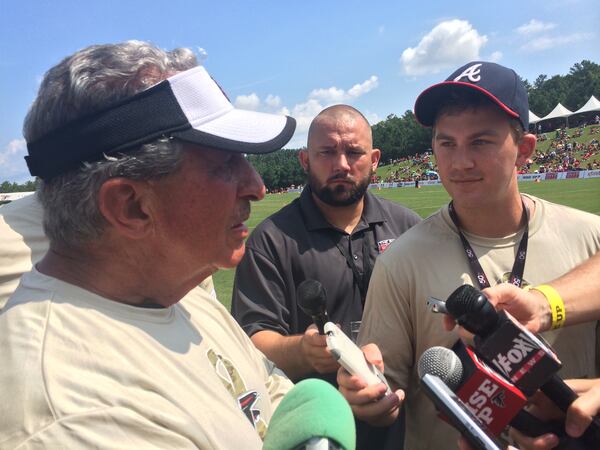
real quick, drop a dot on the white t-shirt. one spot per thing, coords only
(80, 371)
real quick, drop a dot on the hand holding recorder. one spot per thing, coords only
(360, 378)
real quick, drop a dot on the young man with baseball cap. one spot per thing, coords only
(489, 233)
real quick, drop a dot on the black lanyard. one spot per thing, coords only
(516, 274)
(362, 281)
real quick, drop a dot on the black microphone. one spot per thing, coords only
(311, 298)
(519, 355)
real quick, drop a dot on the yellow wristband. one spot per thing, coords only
(557, 305)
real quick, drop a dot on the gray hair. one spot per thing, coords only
(82, 84)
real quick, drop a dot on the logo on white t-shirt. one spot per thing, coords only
(233, 382)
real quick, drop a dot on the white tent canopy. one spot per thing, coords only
(558, 112)
(533, 118)
(593, 104)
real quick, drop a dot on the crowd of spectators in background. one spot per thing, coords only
(420, 167)
(565, 154)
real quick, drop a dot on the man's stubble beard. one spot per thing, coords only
(341, 194)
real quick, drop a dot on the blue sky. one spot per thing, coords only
(296, 57)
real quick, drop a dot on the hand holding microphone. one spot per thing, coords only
(311, 298)
(514, 351)
(491, 401)
(360, 378)
(578, 418)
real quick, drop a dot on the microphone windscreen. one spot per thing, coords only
(311, 297)
(464, 300)
(443, 363)
(312, 408)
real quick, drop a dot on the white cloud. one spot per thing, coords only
(362, 88)
(12, 162)
(381, 30)
(201, 54)
(304, 112)
(535, 26)
(336, 95)
(328, 95)
(448, 44)
(284, 110)
(495, 56)
(273, 101)
(251, 102)
(548, 42)
(14, 149)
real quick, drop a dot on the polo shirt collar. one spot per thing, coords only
(313, 217)
(372, 213)
(315, 220)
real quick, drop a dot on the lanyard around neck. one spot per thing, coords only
(516, 274)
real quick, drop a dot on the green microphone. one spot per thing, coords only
(313, 415)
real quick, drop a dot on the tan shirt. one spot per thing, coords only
(429, 260)
(81, 371)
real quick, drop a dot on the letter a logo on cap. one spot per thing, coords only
(472, 73)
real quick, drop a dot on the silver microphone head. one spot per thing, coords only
(442, 362)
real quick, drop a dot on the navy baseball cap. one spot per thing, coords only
(498, 83)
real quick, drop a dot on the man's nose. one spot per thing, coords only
(341, 163)
(251, 185)
(462, 157)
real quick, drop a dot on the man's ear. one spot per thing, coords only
(526, 147)
(303, 158)
(125, 205)
(375, 157)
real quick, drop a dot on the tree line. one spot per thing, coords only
(399, 137)
(7, 187)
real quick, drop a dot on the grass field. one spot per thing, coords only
(582, 194)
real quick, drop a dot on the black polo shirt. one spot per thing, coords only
(296, 244)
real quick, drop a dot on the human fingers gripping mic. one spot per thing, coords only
(472, 310)
(521, 356)
(311, 298)
(312, 413)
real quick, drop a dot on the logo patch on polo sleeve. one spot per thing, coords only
(382, 245)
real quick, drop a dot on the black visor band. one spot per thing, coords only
(189, 106)
(137, 120)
